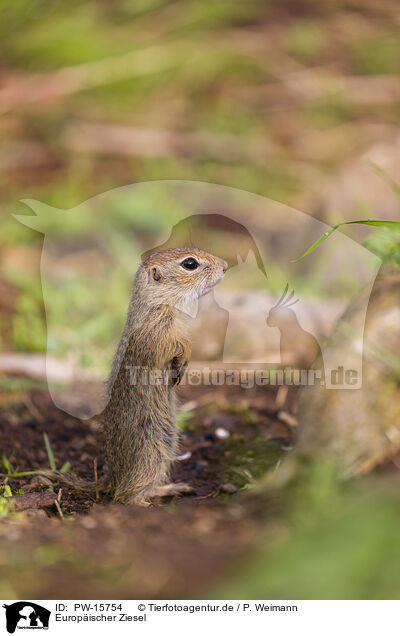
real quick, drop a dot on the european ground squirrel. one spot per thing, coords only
(139, 422)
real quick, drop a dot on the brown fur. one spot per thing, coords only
(139, 423)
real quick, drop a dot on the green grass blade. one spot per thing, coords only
(50, 453)
(26, 473)
(317, 243)
(6, 463)
(372, 222)
(65, 468)
(386, 177)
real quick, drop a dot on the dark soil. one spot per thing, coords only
(103, 550)
(23, 424)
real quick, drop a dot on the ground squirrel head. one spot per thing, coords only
(180, 276)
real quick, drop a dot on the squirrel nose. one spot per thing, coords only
(224, 266)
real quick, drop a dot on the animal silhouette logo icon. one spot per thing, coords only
(296, 344)
(26, 615)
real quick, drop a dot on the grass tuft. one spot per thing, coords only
(50, 453)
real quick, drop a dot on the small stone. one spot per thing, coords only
(229, 488)
(199, 467)
(184, 457)
(222, 433)
(89, 523)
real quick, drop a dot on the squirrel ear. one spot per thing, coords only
(155, 273)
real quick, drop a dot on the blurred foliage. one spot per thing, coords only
(336, 542)
(187, 67)
(385, 243)
(306, 41)
(379, 53)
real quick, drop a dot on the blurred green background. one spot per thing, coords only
(273, 97)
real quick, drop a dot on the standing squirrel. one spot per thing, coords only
(139, 422)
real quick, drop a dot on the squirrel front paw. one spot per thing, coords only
(167, 490)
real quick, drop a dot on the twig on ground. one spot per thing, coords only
(33, 410)
(57, 503)
(96, 478)
(25, 473)
(281, 396)
(50, 453)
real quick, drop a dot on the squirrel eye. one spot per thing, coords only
(190, 263)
